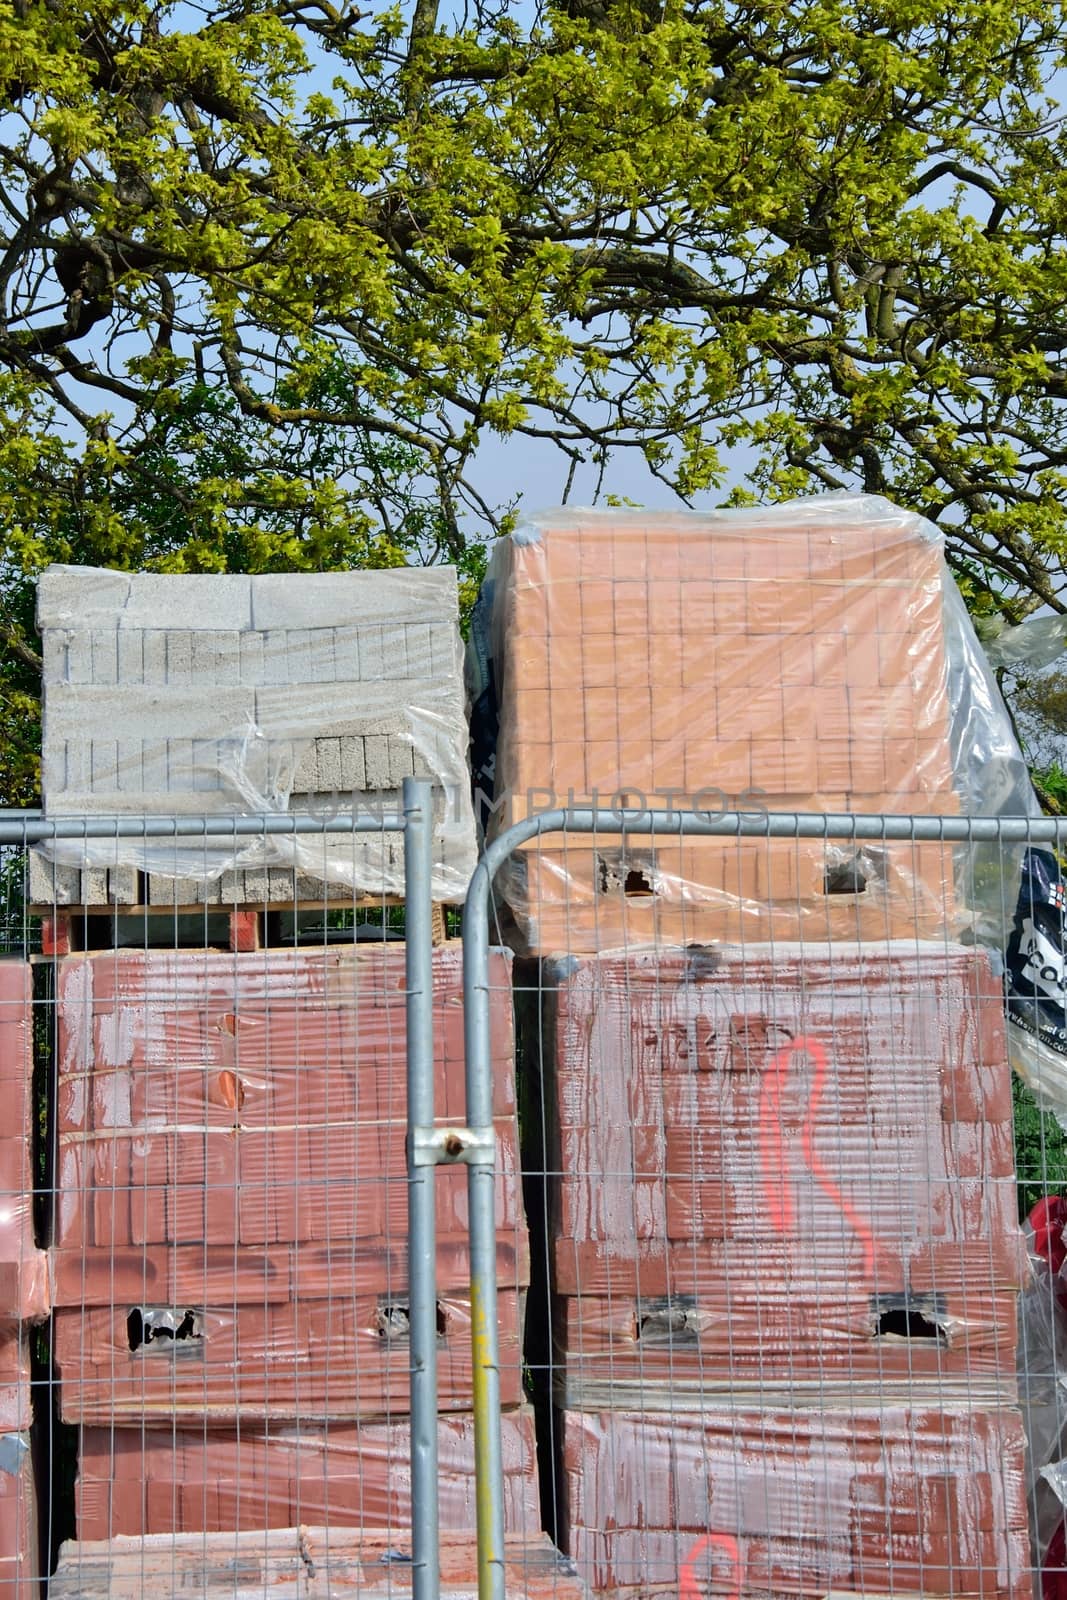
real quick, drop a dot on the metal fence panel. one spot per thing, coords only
(222, 1304)
(795, 1326)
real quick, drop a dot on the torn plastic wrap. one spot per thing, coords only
(231, 1188)
(1035, 643)
(812, 657)
(134, 1482)
(786, 1266)
(337, 1357)
(806, 1155)
(228, 695)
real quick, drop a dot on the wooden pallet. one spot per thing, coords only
(79, 929)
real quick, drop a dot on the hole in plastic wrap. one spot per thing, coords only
(637, 884)
(917, 1317)
(619, 872)
(394, 1321)
(674, 1321)
(846, 877)
(166, 1326)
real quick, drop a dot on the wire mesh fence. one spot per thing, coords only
(795, 1324)
(210, 1328)
(747, 1283)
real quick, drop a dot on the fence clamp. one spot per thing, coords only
(435, 1147)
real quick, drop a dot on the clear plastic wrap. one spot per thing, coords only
(231, 695)
(918, 1500)
(806, 1155)
(337, 1561)
(813, 656)
(338, 1357)
(231, 1189)
(24, 1278)
(134, 1482)
(20, 1564)
(1038, 642)
(786, 1262)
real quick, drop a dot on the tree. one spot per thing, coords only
(830, 232)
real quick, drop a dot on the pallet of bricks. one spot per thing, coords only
(783, 1255)
(24, 1291)
(229, 1235)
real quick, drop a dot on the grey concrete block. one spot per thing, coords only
(78, 761)
(50, 885)
(376, 761)
(130, 657)
(123, 886)
(206, 777)
(253, 668)
(328, 763)
(105, 652)
(180, 778)
(179, 657)
(310, 710)
(299, 667)
(248, 887)
(79, 597)
(155, 760)
(154, 656)
(216, 658)
(94, 886)
(418, 648)
(53, 768)
(54, 657)
(353, 763)
(93, 711)
(79, 657)
(333, 599)
(446, 652)
(129, 767)
(165, 891)
(401, 762)
(306, 771)
(371, 655)
(195, 601)
(118, 803)
(275, 656)
(104, 756)
(346, 662)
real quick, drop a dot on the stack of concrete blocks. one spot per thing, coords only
(231, 1332)
(782, 1249)
(24, 1285)
(229, 695)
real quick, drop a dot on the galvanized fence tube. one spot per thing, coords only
(422, 1243)
(476, 925)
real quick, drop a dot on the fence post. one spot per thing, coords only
(481, 1181)
(422, 1233)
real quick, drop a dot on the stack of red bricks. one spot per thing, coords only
(785, 1217)
(781, 1204)
(230, 1241)
(24, 1285)
(664, 661)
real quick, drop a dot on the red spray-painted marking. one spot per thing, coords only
(777, 1185)
(687, 1583)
